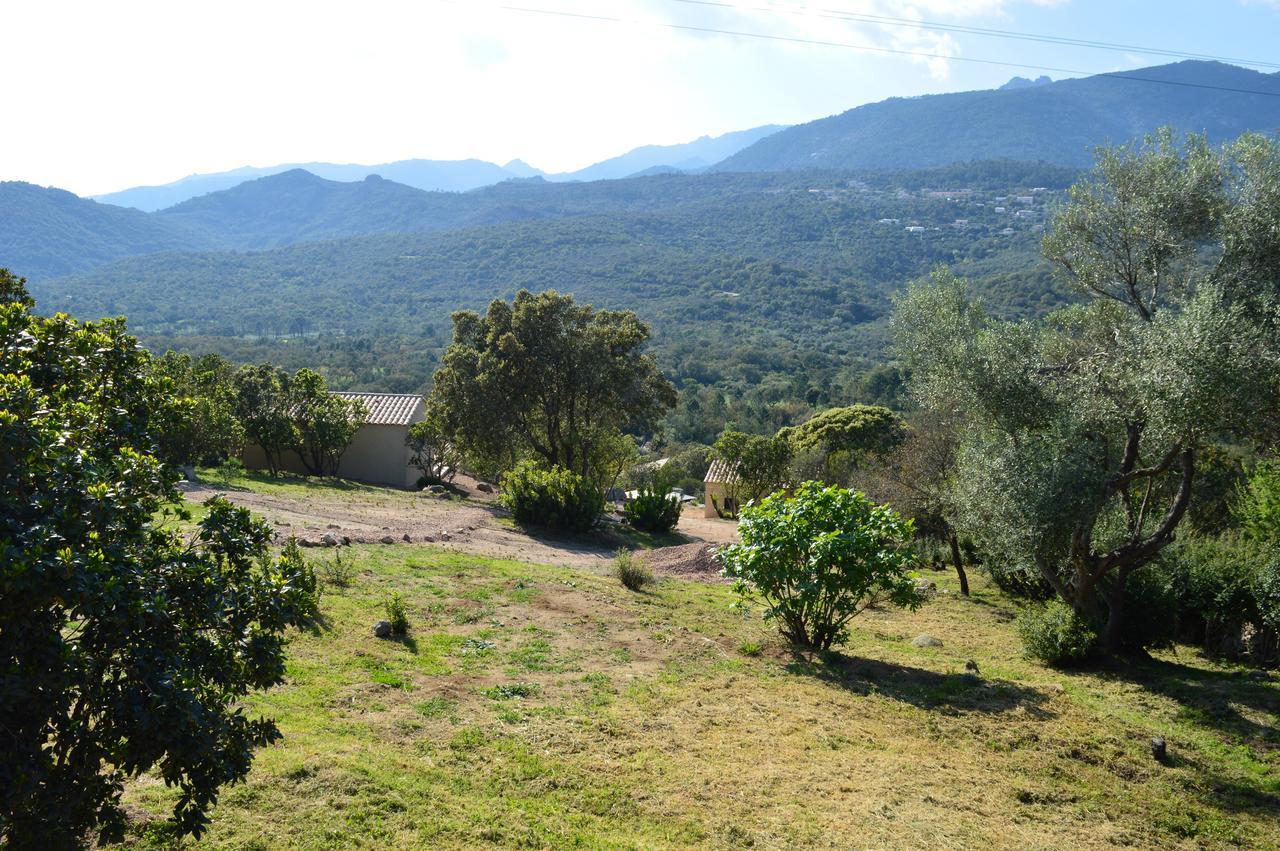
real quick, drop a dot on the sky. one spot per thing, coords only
(102, 96)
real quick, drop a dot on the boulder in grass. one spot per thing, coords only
(387, 539)
(382, 629)
(926, 640)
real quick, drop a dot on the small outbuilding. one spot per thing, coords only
(378, 454)
(717, 487)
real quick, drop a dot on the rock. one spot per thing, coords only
(307, 542)
(972, 667)
(387, 539)
(926, 586)
(329, 540)
(444, 536)
(1159, 749)
(926, 640)
(406, 538)
(429, 539)
(484, 487)
(333, 526)
(346, 540)
(438, 490)
(362, 540)
(382, 629)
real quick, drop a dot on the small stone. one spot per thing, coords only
(926, 640)
(382, 629)
(926, 586)
(484, 487)
(406, 538)
(387, 539)
(307, 542)
(1159, 749)
(333, 526)
(429, 539)
(329, 540)
(437, 490)
(346, 540)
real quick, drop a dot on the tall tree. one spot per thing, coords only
(123, 648)
(263, 406)
(546, 377)
(834, 443)
(756, 465)
(916, 478)
(1081, 432)
(324, 424)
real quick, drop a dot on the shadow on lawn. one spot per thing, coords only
(604, 539)
(919, 687)
(1218, 700)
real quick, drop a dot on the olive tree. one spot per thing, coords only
(123, 648)
(818, 558)
(1081, 431)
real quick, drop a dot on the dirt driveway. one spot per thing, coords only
(469, 521)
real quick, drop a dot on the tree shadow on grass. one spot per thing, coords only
(1217, 700)
(604, 539)
(919, 687)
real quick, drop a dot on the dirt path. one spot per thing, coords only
(472, 524)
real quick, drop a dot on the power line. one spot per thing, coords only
(1117, 75)
(888, 20)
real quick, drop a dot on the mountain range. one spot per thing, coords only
(1054, 121)
(452, 175)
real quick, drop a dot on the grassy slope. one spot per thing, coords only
(536, 706)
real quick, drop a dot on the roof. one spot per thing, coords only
(387, 408)
(721, 471)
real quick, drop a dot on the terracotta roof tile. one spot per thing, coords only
(721, 471)
(387, 408)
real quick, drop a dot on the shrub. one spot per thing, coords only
(631, 571)
(1055, 634)
(818, 558)
(1151, 609)
(397, 614)
(652, 511)
(339, 572)
(551, 496)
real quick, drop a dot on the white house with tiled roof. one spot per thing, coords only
(377, 454)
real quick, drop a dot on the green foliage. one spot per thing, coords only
(860, 430)
(325, 424)
(820, 557)
(123, 649)
(263, 406)
(397, 613)
(653, 509)
(1258, 503)
(1224, 592)
(204, 429)
(430, 452)
(545, 377)
(757, 465)
(339, 572)
(1081, 433)
(631, 570)
(551, 496)
(1056, 634)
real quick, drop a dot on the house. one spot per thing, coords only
(715, 489)
(377, 455)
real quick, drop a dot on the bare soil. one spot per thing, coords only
(466, 519)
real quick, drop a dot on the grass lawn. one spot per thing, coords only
(545, 707)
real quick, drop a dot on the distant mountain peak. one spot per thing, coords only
(1026, 83)
(520, 168)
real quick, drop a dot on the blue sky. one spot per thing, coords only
(100, 96)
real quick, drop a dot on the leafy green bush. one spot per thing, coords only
(1226, 591)
(551, 496)
(1055, 634)
(1258, 501)
(631, 571)
(818, 558)
(397, 614)
(652, 510)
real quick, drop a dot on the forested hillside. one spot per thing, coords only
(771, 288)
(49, 232)
(1060, 122)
